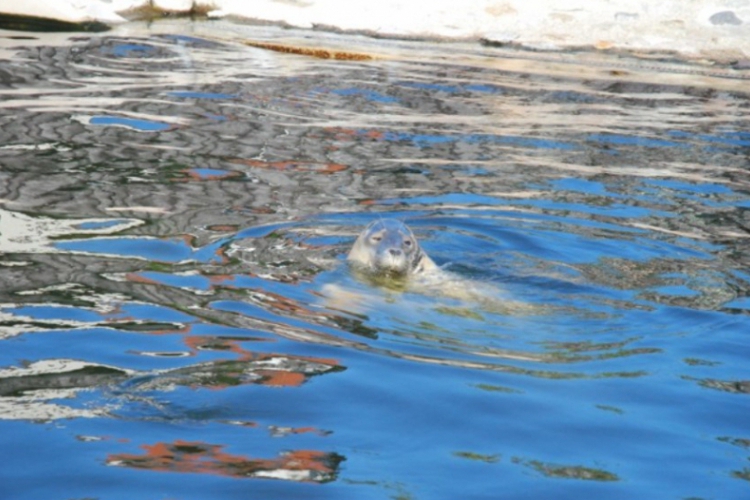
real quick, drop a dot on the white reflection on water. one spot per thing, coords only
(25, 234)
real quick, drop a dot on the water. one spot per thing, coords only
(176, 208)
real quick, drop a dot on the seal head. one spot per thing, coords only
(387, 247)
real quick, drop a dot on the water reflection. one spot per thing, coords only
(30, 392)
(204, 458)
(34, 392)
(22, 233)
(175, 208)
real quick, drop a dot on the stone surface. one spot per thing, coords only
(725, 17)
(711, 29)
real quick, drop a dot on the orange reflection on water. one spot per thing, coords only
(204, 458)
(197, 175)
(295, 166)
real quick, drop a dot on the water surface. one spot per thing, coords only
(176, 206)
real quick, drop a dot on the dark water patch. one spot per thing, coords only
(47, 25)
(633, 141)
(87, 376)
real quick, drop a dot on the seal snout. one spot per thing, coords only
(390, 256)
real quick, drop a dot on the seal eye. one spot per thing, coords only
(407, 243)
(377, 238)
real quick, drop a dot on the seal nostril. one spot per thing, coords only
(394, 251)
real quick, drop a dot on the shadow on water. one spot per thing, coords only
(177, 205)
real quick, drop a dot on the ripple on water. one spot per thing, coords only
(176, 209)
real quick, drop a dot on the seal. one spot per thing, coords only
(388, 248)
(387, 255)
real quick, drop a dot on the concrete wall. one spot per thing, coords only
(710, 29)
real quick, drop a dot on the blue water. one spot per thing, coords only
(177, 320)
(141, 125)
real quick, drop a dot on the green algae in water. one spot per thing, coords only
(497, 388)
(461, 312)
(478, 457)
(741, 442)
(612, 409)
(568, 471)
(700, 362)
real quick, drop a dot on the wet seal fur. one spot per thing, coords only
(387, 248)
